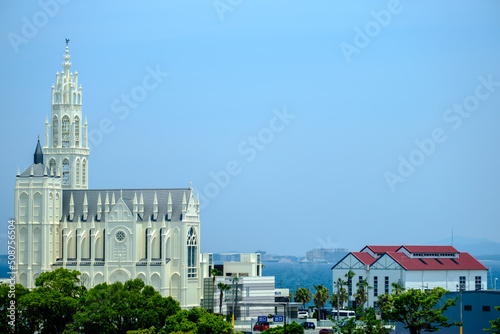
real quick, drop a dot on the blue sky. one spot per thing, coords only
(301, 124)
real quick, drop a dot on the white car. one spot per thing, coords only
(302, 314)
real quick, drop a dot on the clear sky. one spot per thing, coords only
(301, 124)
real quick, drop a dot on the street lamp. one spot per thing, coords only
(496, 279)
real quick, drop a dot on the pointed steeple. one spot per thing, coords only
(38, 156)
(85, 207)
(71, 208)
(99, 207)
(155, 207)
(169, 206)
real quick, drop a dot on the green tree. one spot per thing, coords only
(397, 288)
(293, 328)
(198, 321)
(361, 296)
(320, 297)
(10, 311)
(495, 324)
(338, 303)
(349, 275)
(417, 309)
(214, 272)
(54, 301)
(118, 308)
(302, 295)
(367, 323)
(223, 287)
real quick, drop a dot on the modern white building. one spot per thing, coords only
(412, 267)
(256, 293)
(108, 235)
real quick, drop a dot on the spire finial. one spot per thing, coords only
(67, 42)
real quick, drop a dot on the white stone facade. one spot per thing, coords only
(108, 235)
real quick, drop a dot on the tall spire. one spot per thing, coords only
(38, 156)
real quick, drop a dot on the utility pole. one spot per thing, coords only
(461, 287)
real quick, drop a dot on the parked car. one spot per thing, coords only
(261, 326)
(326, 331)
(303, 314)
(309, 325)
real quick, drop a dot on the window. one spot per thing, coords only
(360, 279)
(486, 308)
(65, 174)
(192, 252)
(65, 131)
(462, 283)
(55, 132)
(375, 286)
(78, 172)
(77, 131)
(52, 167)
(467, 307)
(386, 284)
(349, 286)
(478, 282)
(84, 172)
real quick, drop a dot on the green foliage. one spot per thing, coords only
(6, 297)
(53, 303)
(495, 324)
(302, 295)
(417, 310)
(361, 295)
(118, 308)
(366, 324)
(321, 296)
(197, 321)
(223, 287)
(293, 328)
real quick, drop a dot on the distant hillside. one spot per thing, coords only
(476, 247)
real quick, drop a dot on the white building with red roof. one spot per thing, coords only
(412, 267)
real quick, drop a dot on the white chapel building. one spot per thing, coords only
(108, 235)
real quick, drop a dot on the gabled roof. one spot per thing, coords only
(429, 249)
(127, 195)
(465, 261)
(364, 257)
(381, 249)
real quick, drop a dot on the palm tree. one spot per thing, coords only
(350, 274)
(341, 296)
(302, 295)
(214, 272)
(397, 288)
(361, 295)
(320, 297)
(223, 287)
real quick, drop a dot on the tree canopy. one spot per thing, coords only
(302, 295)
(418, 310)
(320, 297)
(495, 324)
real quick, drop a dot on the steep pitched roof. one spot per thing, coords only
(381, 249)
(365, 258)
(128, 197)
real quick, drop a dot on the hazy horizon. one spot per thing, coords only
(300, 125)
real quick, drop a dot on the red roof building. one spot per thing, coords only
(412, 267)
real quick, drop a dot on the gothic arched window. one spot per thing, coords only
(65, 171)
(192, 252)
(65, 131)
(55, 132)
(77, 171)
(77, 131)
(52, 166)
